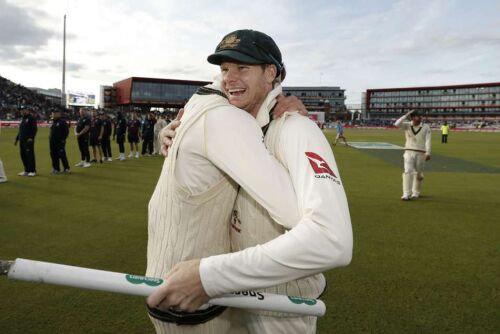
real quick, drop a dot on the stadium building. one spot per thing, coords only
(146, 93)
(52, 94)
(171, 94)
(457, 103)
(330, 100)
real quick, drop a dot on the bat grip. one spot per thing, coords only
(5, 266)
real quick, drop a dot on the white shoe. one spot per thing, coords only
(86, 164)
(137, 155)
(3, 179)
(131, 155)
(110, 159)
(405, 197)
(414, 196)
(31, 174)
(80, 164)
(22, 174)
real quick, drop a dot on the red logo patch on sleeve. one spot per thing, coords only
(318, 164)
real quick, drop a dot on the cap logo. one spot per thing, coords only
(229, 42)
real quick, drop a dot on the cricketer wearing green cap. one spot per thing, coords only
(249, 47)
(279, 243)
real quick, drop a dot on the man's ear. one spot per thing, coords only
(270, 73)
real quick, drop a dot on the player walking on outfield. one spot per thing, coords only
(82, 134)
(445, 128)
(57, 142)
(119, 134)
(26, 137)
(340, 133)
(319, 235)
(417, 151)
(133, 127)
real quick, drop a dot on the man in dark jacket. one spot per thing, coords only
(134, 135)
(105, 136)
(119, 134)
(26, 138)
(95, 134)
(57, 140)
(148, 134)
(82, 134)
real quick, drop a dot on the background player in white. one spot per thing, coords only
(417, 151)
(160, 124)
(319, 240)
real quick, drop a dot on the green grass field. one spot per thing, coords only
(426, 266)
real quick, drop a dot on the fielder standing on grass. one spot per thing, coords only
(417, 152)
(319, 236)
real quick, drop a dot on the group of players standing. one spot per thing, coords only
(93, 130)
(96, 132)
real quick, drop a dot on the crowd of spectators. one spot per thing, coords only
(15, 97)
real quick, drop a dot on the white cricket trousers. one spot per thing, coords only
(413, 173)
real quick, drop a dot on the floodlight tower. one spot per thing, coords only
(63, 92)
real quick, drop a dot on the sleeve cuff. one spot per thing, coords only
(208, 277)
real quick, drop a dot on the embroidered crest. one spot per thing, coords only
(229, 42)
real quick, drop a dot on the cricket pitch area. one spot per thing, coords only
(424, 266)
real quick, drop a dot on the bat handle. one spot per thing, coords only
(5, 266)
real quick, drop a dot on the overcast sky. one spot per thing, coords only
(352, 44)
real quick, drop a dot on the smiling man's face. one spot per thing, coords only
(247, 86)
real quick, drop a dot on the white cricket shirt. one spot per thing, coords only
(418, 138)
(320, 237)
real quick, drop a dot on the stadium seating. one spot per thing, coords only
(14, 97)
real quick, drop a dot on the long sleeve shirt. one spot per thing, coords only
(28, 128)
(58, 131)
(320, 235)
(418, 138)
(228, 140)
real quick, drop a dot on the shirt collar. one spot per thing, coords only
(263, 116)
